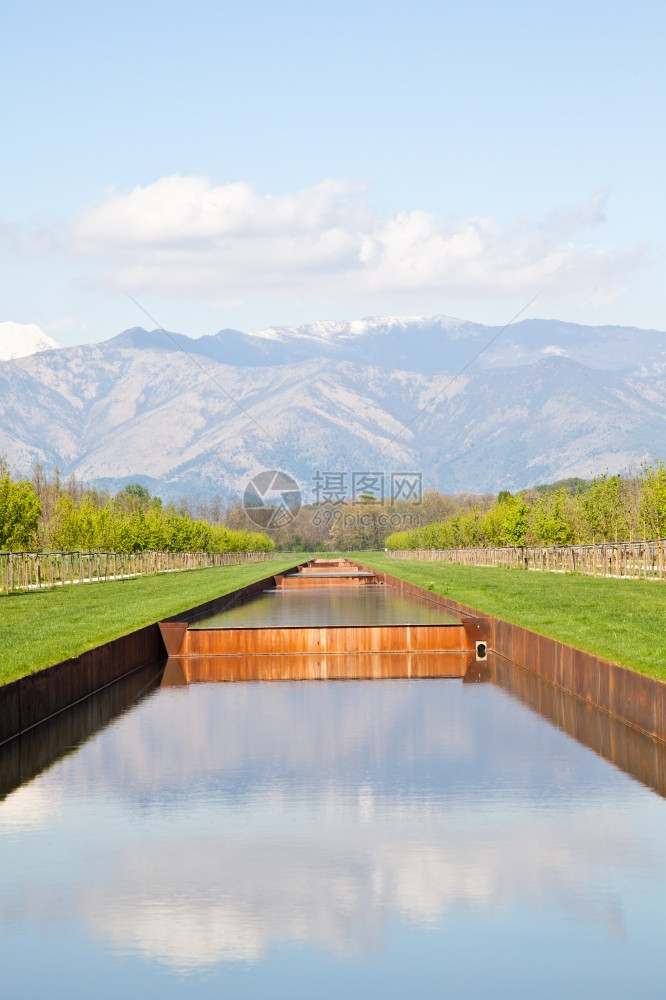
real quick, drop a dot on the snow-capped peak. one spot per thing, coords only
(18, 340)
(345, 329)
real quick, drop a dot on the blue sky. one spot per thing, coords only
(263, 164)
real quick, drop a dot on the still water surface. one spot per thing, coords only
(330, 606)
(384, 839)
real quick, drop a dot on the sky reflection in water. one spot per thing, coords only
(330, 606)
(391, 838)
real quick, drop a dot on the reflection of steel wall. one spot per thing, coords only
(624, 746)
(638, 700)
(35, 750)
(312, 667)
(623, 560)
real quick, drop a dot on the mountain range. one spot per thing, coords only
(471, 407)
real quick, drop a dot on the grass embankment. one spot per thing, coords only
(619, 620)
(39, 628)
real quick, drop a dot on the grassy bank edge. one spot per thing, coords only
(618, 620)
(40, 628)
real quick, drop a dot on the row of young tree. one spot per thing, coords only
(47, 515)
(609, 508)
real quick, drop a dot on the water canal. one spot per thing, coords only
(485, 836)
(330, 606)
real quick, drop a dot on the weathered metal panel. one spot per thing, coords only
(328, 639)
(39, 696)
(638, 700)
(10, 711)
(48, 692)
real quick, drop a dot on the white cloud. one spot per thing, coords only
(60, 323)
(192, 237)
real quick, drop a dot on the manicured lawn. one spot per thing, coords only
(623, 621)
(620, 620)
(43, 627)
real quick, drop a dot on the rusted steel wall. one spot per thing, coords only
(323, 565)
(638, 700)
(26, 702)
(307, 580)
(220, 603)
(319, 639)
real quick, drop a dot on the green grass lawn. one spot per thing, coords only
(620, 620)
(39, 628)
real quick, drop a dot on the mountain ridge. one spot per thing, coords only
(136, 408)
(423, 343)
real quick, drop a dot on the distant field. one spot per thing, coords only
(43, 627)
(620, 620)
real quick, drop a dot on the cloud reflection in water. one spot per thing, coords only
(213, 824)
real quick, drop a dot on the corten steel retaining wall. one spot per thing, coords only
(33, 699)
(180, 641)
(220, 603)
(638, 700)
(304, 581)
(621, 560)
(319, 639)
(26, 702)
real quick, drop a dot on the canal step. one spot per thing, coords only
(326, 578)
(327, 573)
(180, 640)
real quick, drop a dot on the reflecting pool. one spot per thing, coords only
(412, 838)
(330, 606)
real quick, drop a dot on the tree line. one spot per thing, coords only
(624, 507)
(43, 513)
